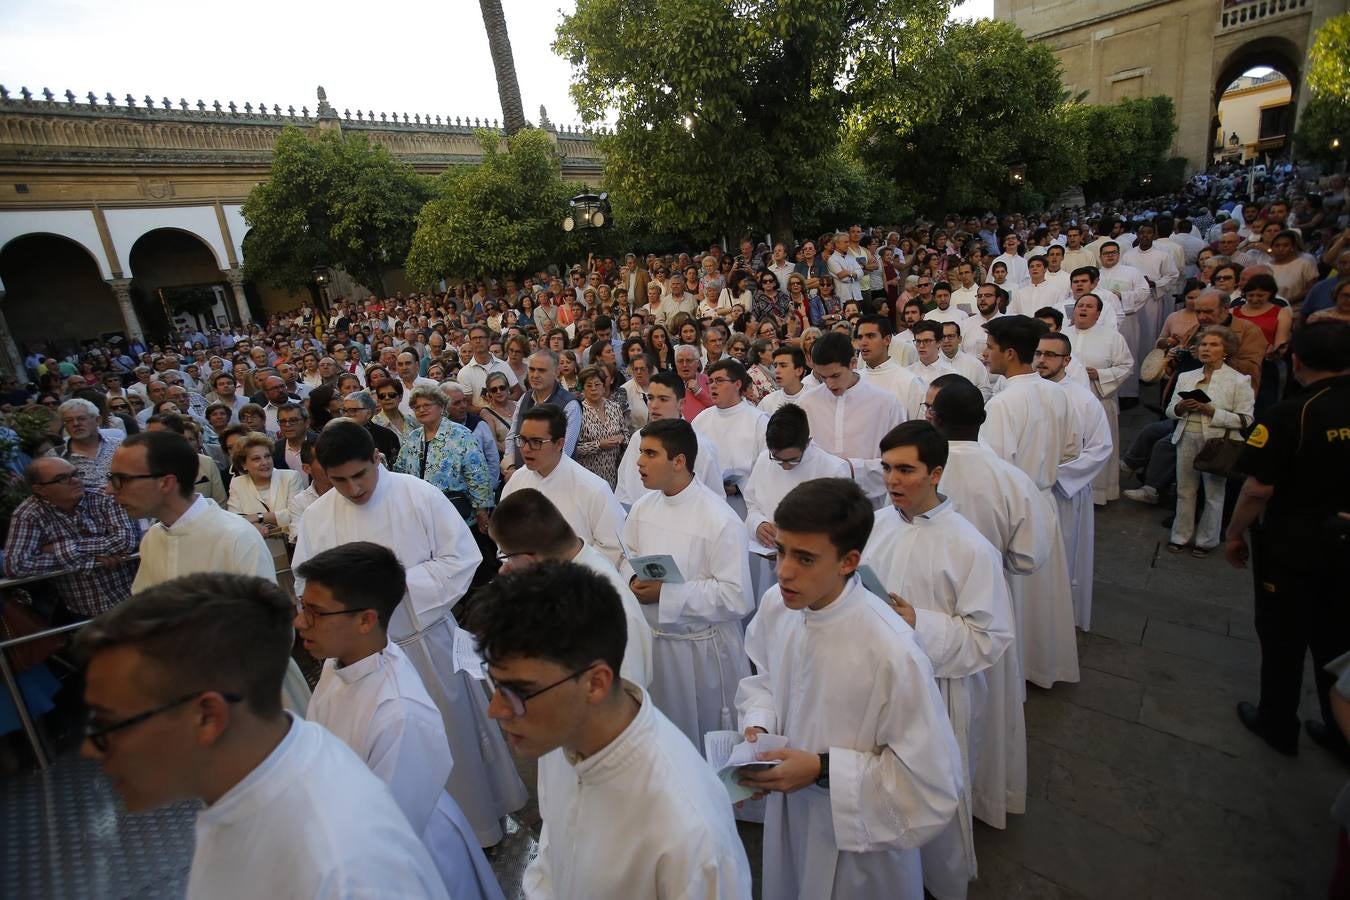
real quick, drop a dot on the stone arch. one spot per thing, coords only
(167, 266)
(56, 295)
(1271, 51)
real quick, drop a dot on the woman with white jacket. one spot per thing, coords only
(261, 493)
(1227, 411)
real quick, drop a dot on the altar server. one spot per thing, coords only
(665, 395)
(734, 426)
(1105, 356)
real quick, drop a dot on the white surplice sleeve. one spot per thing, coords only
(1119, 365)
(403, 750)
(1079, 472)
(975, 637)
(725, 595)
(754, 695)
(1029, 545)
(903, 793)
(452, 554)
(606, 518)
(756, 509)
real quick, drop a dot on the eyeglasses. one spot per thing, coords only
(517, 701)
(346, 411)
(290, 420)
(308, 614)
(720, 381)
(63, 478)
(117, 480)
(924, 342)
(98, 734)
(924, 284)
(1048, 354)
(537, 443)
(387, 396)
(784, 461)
(496, 388)
(925, 410)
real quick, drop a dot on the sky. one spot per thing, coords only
(413, 57)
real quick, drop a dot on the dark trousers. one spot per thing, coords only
(1300, 607)
(1152, 451)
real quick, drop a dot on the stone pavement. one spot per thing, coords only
(1142, 783)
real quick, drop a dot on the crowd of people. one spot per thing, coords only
(836, 499)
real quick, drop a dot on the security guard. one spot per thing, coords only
(1297, 460)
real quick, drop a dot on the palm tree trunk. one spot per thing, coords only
(508, 87)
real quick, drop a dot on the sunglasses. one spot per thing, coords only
(387, 396)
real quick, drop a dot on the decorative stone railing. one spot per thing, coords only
(1251, 12)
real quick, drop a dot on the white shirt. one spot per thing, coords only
(205, 538)
(707, 469)
(1032, 427)
(769, 482)
(474, 377)
(852, 426)
(1030, 297)
(284, 832)
(841, 265)
(583, 498)
(774, 401)
(738, 434)
(380, 709)
(651, 793)
(872, 704)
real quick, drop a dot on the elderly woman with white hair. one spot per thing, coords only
(1214, 401)
(446, 454)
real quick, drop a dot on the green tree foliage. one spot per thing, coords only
(331, 200)
(502, 215)
(1120, 143)
(727, 113)
(1329, 60)
(1323, 130)
(947, 121)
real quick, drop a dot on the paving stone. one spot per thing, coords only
(1198, 644)
(1104, 692)
(1196, 612)
(1002, 878)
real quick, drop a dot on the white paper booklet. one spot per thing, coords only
(657, 567)
(466, 655)
(729, 751)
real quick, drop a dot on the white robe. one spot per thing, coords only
(380, 709)
(850, 680)
(707, 469)
(1030, 297)
(1029, 423)
(285, 833)
(643, 817)
(1129, 284)
(738, 434)
(206, 538)
(1073, 494)
(1006, 508)
(902, 349)
(951, 314)
(637, 652)
(769, 482)
(895, 379)
(1158, 264)
(1105, 350)
(1018, 274)
(940, 564)
(852, 426)
(416, 521)
(698, 651)
(775, 400)
(973, 336)
(972, 369)
(583, 498)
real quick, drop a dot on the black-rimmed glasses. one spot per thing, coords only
(98, 734)
(785, 462)
(118, 480)
(63, 478)
(308, 614)
(517, 701)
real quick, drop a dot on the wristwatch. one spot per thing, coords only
(824, 779)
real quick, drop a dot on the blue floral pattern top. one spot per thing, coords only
(454, 462)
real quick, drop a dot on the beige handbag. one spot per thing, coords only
(1154, 366)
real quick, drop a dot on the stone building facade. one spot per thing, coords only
(107, 205)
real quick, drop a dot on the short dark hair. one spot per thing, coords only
(1062, 338)
(798, 357)
(209, 631)
(788, 427)
(835, 507)
(168, 453)
(557, 611)
(172, 421)
(343, 442)
(1323, 346)
(958, 404)
(677, 438)
(1262, 282)
(359, 574)
(529, 522)
(549, 413)
(307, 452)
(923, 437)
(955, 325)
(672, 381)
(292, 406)
(832, 348)
(602, 323)
(1090, 271)
(735, 371)
(1049, 312)
(883, 323)
(927, 326)
(1017, 333)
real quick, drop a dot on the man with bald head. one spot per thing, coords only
(66, 527)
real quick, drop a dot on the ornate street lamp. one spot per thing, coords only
(587, 211)
(323, 277)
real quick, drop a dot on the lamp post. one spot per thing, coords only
(323, 277)
(587, 211)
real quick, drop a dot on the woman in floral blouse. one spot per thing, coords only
(604, 427)
(446, 454)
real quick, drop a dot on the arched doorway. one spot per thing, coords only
(176, 279)
(1256, 97)
(55, 295)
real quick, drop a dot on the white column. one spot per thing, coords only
(236, 279)
(121, 288)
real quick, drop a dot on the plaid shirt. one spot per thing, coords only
(94, 471)
(43, 539)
